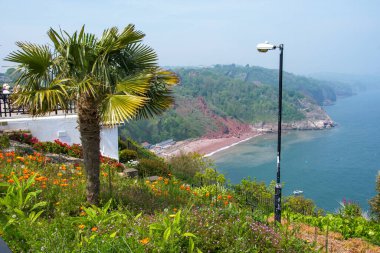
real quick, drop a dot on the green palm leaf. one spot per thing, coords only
(118, 108)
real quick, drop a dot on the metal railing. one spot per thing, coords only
(9, 110)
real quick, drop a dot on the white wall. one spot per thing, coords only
(64, 128)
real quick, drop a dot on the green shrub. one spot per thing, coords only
(4, 141)
(148, 167)
(349, 209)
(126, 155)
(186, 165)
(299, 204)
(375, 201)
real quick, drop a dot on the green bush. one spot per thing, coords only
(375, 201)
(299, 204)
(4, 141)
(187, 165)
(148, 167)
(126, 155)
(349, 209)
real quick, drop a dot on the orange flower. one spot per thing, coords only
(1, 175)
(64, 185)
(105, 174)
(187, 188)
(166, 181)
(78, 168)
(175, 209)
(219, 197)
(160, 178)
(145, 241)
(81, 226)
(11, 181)
(94, 229)
(225, 202)
(207, 194)
(82, 213)
(195, 194)
(9, 160)
(63, 167)
(182, 187)
(229, 197)
(20, 158)
(41, 178)
(59, 174)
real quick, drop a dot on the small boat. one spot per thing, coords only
(297, 192)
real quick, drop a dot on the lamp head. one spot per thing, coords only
(264, 47)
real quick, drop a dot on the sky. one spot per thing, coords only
(340, 36)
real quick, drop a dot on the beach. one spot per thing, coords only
(207, 146)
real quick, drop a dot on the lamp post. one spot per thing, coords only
(263, 48)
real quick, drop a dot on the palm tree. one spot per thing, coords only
(112, 79)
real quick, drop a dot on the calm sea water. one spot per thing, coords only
(327, 165)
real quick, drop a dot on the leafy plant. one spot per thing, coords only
(299, 204)
(148, 167)
(19, 203)
(4, 141)
(169, 231)
(127, 155)
(186, 165)
(349, 209)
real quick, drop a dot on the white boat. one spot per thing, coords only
(297, 192)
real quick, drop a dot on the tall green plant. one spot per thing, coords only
(19, 203)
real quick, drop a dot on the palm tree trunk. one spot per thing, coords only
(89, 128)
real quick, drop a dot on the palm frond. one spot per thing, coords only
(43, 100)
(136, 84)
(35, 59)
(116, 109)
(167, 77)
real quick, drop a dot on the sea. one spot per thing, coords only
(329, 166)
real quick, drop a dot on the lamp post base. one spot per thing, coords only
(277, 203)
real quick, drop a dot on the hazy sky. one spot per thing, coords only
(319, 36)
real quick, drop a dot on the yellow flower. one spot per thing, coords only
(81, 226)
(145, 241)
(59, 174)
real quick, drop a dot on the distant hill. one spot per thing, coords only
(225, 99)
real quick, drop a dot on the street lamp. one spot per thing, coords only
(263, 48)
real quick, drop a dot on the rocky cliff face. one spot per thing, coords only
(316, 119)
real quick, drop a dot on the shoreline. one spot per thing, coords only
(229, 146)
(206, 146)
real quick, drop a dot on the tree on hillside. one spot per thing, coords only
(112, 79)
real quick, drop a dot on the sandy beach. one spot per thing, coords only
(207, 146)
